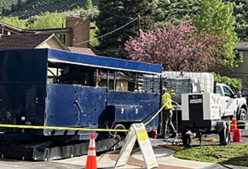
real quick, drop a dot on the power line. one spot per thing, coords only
(109, 32)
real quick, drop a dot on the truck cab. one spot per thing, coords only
(231, 102)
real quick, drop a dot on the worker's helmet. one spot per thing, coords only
(164, 89)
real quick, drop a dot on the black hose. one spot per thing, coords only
(219, 162)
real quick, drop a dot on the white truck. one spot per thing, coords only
(203, 82)
(230, 102)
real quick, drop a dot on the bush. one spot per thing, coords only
(233, 83)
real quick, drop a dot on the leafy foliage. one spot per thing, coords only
(114, 14)
(47, 21)
(6, 5)
(90, 14)
(231, 82)
(240, 12)
(35, 7)
(180, 47)
(218, 16)
(88, 4)
(174, 11)
(14, 21)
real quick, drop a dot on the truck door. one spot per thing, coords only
(228, 104)
(222, 100)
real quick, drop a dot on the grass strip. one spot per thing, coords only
(230, 154)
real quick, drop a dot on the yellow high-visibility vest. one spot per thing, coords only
(166, 99)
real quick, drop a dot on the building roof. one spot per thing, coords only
(33, 31)
(19, 30)
(81, 50)
(27, 41)
(242, 46)
(22, 41)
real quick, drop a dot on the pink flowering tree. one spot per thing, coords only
(180, 47)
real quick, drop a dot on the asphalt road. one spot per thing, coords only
(16, 164)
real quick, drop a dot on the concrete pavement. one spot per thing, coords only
(164, 157)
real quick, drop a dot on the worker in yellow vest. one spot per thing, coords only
(167, 113)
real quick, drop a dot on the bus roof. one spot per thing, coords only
(59, 56)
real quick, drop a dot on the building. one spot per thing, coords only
(241, 73)
(75, 35)
(31, 41)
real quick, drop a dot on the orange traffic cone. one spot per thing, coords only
(91, 158)
(234, 122)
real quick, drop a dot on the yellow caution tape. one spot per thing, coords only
(61, 128)
(155, 115)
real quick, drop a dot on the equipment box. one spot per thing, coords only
(201, 113)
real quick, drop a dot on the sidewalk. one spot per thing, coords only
(164, 157)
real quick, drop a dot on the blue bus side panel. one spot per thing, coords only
(62, 108)
(131, 106)
(22, 86)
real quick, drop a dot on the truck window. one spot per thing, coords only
(218, 90)
(227, 92)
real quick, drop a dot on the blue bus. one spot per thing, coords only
(47, 87)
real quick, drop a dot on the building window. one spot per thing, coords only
(5, 32)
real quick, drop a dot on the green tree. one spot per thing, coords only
(47, 21)
(90, 14)
(88, 4)
(174, 11)
(233, 83)
(14, 21)
(240, 12)
(217, 18)
(116, 13)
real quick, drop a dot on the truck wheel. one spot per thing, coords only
(223, 134)
(186, 139)
(242, 114)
